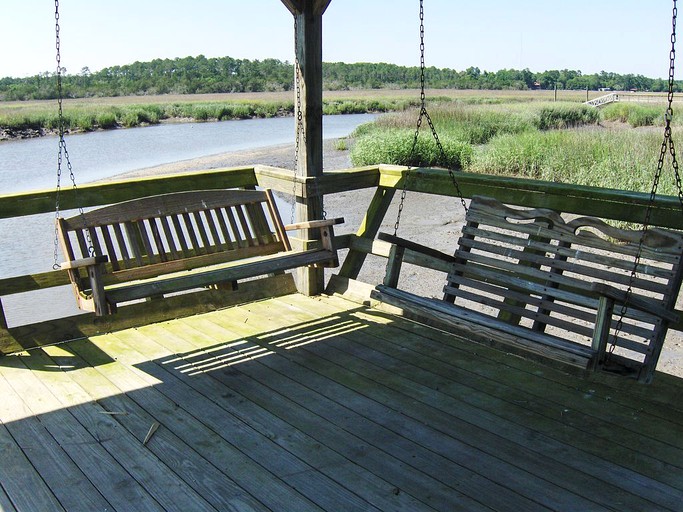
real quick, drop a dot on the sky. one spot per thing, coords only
(626, 36)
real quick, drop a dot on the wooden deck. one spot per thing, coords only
(303, 403)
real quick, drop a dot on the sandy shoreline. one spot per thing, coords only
(429, 220)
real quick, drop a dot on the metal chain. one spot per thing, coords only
(667, 145)
(424, 115)
(300, 132)
(63, 153)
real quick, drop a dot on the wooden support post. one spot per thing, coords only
(368, 229)
(308, 16)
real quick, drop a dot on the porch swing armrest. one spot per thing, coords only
(620, 297)
(415, 247)
(313, 224)
(83, 262)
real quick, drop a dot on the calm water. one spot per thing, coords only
(31, 164)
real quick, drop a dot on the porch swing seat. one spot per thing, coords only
(158, 245)
(531, 281)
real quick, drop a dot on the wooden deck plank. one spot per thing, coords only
(186, 425)
(305, 403)
(193, 469)
(22, 485)
(269, 426)
(567, 386)
(63, 477)
(388, 487)
(396, 356)
(111, 480)
(490, 465)
(515, 408)
(5, 503)
(200, 395)
(159, 480)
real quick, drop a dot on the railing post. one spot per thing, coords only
(308, 37)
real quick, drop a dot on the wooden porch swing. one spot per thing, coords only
(535, 281)
(150, 247)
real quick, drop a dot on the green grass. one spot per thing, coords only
(93, 115)
(634, 114)
(557, 142)
(395, 147)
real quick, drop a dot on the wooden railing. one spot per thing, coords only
(606, 203)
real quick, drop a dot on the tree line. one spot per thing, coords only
(197, 75)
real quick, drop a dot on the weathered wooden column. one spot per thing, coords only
(308, 16)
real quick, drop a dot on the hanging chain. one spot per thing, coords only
(300, 131)
(424, 115)
(667, 146)
(63, 153)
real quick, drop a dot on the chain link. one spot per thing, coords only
(63, 153)
(300, 133)
(424, 115)
(667, 146)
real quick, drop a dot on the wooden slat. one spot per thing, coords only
(190, 228)
(111, 250)
(69, 485)
(169, 236)
(23, 484)
(158, 240)
(561, 252)
(224, 228)
(188, 263)
(212, 275)
(180, 234)
(239, 239)
(213, 230)
(123, 245)
(445, 314)
(203, 235)
(151, 254)
(249, 235)
(135, 244)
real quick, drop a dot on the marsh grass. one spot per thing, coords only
(557, 142)
(634, 114)
(459, 124)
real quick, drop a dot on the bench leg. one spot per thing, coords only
(603, 321)
(394, 266)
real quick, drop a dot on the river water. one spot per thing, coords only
(31, 164)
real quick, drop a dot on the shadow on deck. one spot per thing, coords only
(299, 403)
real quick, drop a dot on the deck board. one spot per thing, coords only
(299, 403)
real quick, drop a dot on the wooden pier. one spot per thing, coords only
(318, 403)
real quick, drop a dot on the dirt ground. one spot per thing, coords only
(429, 220)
